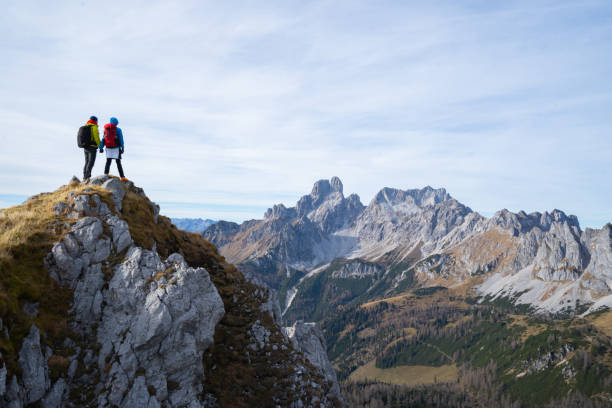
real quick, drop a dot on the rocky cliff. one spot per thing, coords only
(103, 302)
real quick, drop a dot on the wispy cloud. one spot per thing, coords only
(243, 104)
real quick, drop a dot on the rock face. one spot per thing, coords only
(307, 338)
(153, 319)
(141, 322)
(543, 260)
(35, 373)
(157, 324)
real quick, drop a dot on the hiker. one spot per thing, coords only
(88, 138)
(113, 141)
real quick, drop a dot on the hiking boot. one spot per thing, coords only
(124, 179)
(85, 179)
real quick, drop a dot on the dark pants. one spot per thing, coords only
(90, 159)
(108, 163)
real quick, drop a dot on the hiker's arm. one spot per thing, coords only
(102, 142)
(96, 135)
(120, 132)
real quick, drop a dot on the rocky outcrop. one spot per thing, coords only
(159, 320)
(556, 357)
(152, 318)
(307, 338)
(2, 379)
(35, 372)
(141, 322)
(357, 269)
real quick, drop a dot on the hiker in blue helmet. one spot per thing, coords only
(113, 141)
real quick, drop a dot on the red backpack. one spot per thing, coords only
(110, 135)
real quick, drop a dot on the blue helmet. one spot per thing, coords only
(93, 118)
(114, 121)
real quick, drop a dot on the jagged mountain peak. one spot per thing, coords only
(423, 197)
(523, 222)
(323, 187)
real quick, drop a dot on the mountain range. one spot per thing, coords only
(334, 260)
(543, 260)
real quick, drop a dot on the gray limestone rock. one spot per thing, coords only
(138, 397)
(121, 233)
(260, 336)
(54, 398)
(2, 380)
(98, 180)
(87, 232)
(34, 369)
(14, 394)
(86, 306)
(74, 180)
(71, 245)
(66, 268)
(102, 250)
(307, 338)
(162, 326)
(357, 269)
(155, 212)
(88, 205)
(117, 191)
(272, 305)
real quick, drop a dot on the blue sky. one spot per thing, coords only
(230, 107)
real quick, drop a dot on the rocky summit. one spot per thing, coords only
(105, 303)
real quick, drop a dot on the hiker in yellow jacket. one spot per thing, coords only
(89, 140)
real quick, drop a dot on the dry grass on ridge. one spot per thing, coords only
(27, 234)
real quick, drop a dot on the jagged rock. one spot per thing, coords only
(87, 232)
(14, 394)
(2, 379)
(357, 269)
(117, 191)
(69, 268)
(34, 367)
(546, 360)
(272, 305)
(87, 205)
(59, 208)
(121, 233)
(155, 212)
(307, 338)
(138, 397)
(86, 307)
(260, 335)
(162, 326)
(54, 398)
(74, 180)
(98, 180)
